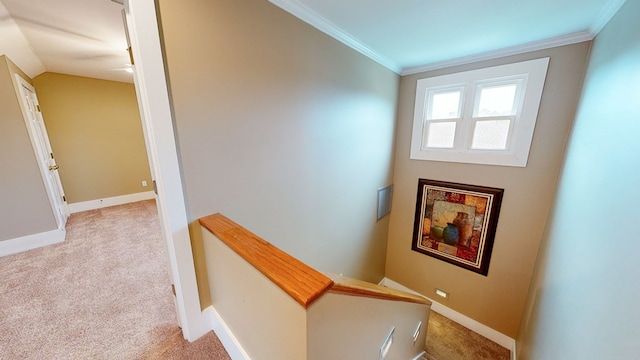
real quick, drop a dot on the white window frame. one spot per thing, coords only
(529, 74)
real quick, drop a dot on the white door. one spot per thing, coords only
(42, 148)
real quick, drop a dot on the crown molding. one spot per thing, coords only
(514, 50)
(609, 11)
(314, 19)
(304, 13)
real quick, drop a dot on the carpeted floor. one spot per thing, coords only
(447, 340)
(104, 293)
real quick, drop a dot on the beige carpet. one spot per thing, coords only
(447, 340)
(104, 293)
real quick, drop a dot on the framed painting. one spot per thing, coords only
(456, 223)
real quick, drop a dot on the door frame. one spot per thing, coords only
(157, 121)
(55, 191)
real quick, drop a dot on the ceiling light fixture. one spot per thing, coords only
(127, 68)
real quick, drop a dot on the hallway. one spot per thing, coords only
(104, 293)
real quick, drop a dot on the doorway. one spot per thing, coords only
(141, 16)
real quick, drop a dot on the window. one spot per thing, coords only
(484, 116)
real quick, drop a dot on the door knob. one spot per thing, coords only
(54, 167)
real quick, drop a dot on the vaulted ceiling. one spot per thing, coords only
(87, 38)
(76, 37)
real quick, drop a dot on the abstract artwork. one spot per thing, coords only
(456, 223)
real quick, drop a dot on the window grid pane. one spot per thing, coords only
(444, 105)
(496, 100)
(491, 134)
(440, 134)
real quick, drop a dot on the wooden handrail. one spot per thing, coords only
(303, 283)
(349, 286)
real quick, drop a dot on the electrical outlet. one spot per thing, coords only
(144, 182)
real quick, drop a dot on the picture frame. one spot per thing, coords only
(457, 223)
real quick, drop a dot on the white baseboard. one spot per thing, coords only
(24, 243)
(112, 201)
(228, 340)
(461, 319)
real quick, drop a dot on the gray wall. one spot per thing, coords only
(282, 129)
(496, 300)
(24, 205)
(583, 304)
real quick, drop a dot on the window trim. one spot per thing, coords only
(532, 74)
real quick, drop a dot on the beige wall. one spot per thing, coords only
(583, 303)
(282, 129)
(343, 326)
(267, 322)
(96, 134)
(24, 205)
(496, 300)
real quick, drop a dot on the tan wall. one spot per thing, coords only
(270, 324)
(95, 131)
(583, 303)
(24, 206)
(282, 129)
(267, 322)
(498, 299)
(343, 326)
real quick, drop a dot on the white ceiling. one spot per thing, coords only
(86, 37)
(76, 37)
(409, 36)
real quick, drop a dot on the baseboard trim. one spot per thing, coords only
(461, 319)
(228, 340)
(111, 201)
(29, 242)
